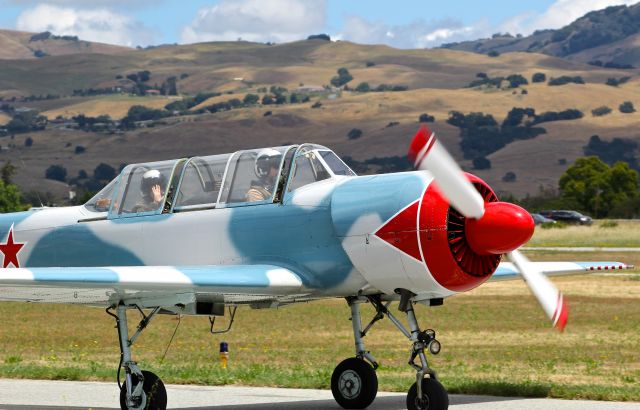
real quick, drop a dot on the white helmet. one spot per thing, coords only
(267, 158)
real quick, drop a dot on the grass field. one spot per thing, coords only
(496, 340)
(600, 234)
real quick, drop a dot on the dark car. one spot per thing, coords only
(569, 217)
(539, 219)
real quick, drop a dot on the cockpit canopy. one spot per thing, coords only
(247, 177)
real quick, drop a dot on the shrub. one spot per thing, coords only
(80, 149)
(481, 163)
(607, 223)
(516, 80)
(614, 82)
(565, 79)
(600, 111)
(426, 118)
(370, 63)
(56, 173)
(354, 134)
(509, 177)
(316, 104)
(481, 75)
(627, 107)
(493, 53)
(539, 78)
(28, 142)
(251, 99)
(363, 87)
(266, 114)
(392, 124)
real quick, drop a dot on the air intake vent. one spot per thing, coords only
(469, 261)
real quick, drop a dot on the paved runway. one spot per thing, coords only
(57, 395)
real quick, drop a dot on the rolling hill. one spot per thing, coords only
(611, 35)
(436, 80)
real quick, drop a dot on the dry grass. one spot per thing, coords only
(625, 234)
(495, 340)
(116, 106)
(4, 118)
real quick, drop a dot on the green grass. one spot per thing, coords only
(602, 233)
(495, 339)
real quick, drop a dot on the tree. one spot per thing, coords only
(627, 107)
(104, 172)
(342, 78)
(7, 172)
(595, 187)
(56, 172)
(251, 99)
(10, 198)
(267, 99)
(363, 87)
(600, 111)
(426, 118)
(539, 78)
(354, 134)
(481, 163)
(322, 36)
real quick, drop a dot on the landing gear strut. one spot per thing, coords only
(425, 394)
(142, 390)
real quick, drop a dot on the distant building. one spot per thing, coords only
(309, 89)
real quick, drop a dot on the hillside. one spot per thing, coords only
(17, 45)
(435, 82)
(611, 35)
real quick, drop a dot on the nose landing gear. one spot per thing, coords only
(354, 383)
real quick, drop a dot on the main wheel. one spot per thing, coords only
(434, 396)
(354, 384)
(154, 392)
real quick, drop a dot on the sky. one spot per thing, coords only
(399, 23)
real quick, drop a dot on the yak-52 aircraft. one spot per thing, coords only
(271, 227)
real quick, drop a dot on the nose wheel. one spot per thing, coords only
(354, 384)
(154, 394)
(434, 396)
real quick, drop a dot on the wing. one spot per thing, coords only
(149, 286)
(506, 270)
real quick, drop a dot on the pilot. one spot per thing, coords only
(266, 168)
(151, 188)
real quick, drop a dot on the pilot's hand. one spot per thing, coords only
(156, 191)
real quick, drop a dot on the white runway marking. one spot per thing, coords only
(36, 394)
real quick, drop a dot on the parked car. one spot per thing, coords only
(569, 217)
(539, 219)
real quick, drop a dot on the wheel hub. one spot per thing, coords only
(422, 403)
(350, 384)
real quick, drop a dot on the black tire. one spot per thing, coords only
(434, 396)
(354, 384)
(154, 390)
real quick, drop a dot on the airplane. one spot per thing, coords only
(270, 227)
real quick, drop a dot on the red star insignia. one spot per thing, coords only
(10, 250)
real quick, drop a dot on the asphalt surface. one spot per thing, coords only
(56, 395)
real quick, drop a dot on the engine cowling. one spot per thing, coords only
(400, 232)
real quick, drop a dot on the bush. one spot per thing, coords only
(481, 75)
(251, 99)
(426, 118)
(516, 80)
(104, 172)
(614, 82)
(267, 113)
(56, 172)
(539, 78)
(565, 79)
(493, 53)
(342, 78)
(627, 107)
(509, 177)
(322, 36)
(28, 142)
(608, 224)
(316, 104)
(481, 163)
(600, 111)
(370, 63)
(354, 134)
(80, 149)
(363, 88)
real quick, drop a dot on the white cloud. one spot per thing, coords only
(559, 14)
(100, 25)
(257, 20)
(418, 34)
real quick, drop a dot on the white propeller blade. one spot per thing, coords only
(431, 155)
(543, 289)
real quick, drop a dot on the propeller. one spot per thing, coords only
(492, 228)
